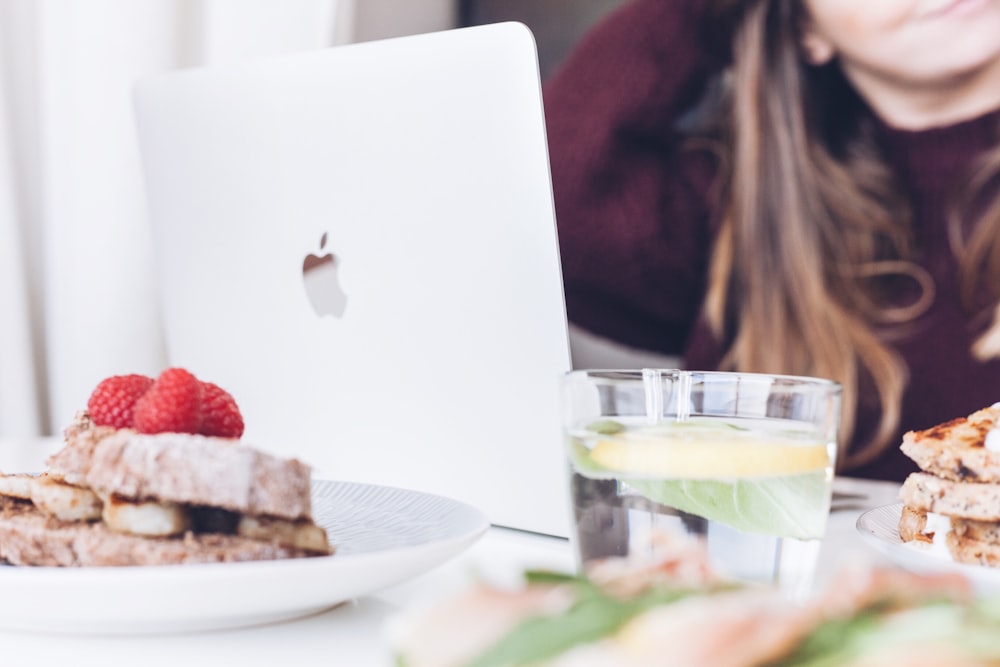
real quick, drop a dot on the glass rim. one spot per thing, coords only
(638, 374)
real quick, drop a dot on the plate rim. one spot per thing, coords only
(316, 580)
(916, 559)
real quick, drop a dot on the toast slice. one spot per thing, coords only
(198, 470)
(118, 497)
(987, 532)
(30, 537)
(182, 468)
(965, 500)
(81, 439)
(968, 541)
(956, 449)
(968, 550)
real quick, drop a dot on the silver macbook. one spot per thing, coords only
(359, 243)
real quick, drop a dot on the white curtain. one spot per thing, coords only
(77, 293)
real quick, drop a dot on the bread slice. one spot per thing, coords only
(81, 438)
(987, 532)
(965, 500)
(956, 449)
(30, 537)
(197, 470)
(972, 551)
(118, 497)
(968, 541)
(182, 468)
(974, 510)
(913, 527)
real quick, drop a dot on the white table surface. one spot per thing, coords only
(354, 633)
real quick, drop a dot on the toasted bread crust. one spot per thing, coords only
(972, 551)
(146, 477)
(28, 537)
(966, 500)
(981, 531)
(72, 462)
(955, 449)
(200, 471)
(912, 524)
(913, 527)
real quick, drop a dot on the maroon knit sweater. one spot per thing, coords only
(636, 222)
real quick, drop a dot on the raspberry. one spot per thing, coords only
(113, 400)
(171, 405)
(220, 416)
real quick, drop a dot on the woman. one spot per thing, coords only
(793, 186)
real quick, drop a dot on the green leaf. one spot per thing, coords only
(832, 643)
(532, 577)
(594, 616)
(789, 506)
(974, 628)
(971, 631)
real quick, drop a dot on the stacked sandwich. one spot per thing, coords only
(955, 499)
(152, 473)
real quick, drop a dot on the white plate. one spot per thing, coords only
(383, 536)
(880, 528)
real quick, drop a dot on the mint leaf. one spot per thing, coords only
(789, 506)
(594, 616)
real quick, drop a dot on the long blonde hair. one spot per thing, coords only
(816, 231)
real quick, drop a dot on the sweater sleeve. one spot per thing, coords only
(632, 215)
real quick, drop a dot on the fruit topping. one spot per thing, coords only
(113, 400)
(175, 402)
(220, 416)
(171, 405)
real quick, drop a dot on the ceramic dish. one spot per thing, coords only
(383, 536)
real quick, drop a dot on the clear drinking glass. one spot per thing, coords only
(742, 461)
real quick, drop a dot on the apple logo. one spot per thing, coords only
(319, 274)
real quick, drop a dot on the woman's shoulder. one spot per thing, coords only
(644, 63)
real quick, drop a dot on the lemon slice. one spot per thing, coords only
(668, 458)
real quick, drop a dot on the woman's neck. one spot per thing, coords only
(917, 107)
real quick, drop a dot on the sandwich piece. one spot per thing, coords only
(194, 469)
(957, 449)
(966, 500)
(117, 496)
(29, 536)
(143, 499)
(975, 542)
(954, 502)
(966, 540)
(645, 618)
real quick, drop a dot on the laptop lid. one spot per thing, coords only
(359, 243)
